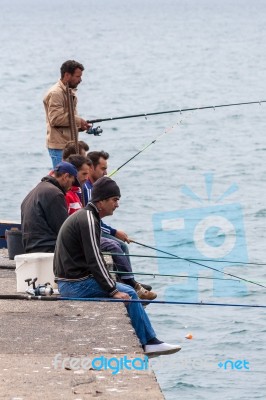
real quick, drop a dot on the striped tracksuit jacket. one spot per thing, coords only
(77, 253)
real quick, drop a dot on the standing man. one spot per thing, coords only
(44, 209)
(81, 271)
(57, 113)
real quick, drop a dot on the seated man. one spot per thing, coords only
(80, 269)
(97, 170)
(74, 194)
(44, 209)
(74, 203)
(70, 149)
(113, 240)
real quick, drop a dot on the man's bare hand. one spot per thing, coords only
(84, 125)
(122, 236)
(121, 295)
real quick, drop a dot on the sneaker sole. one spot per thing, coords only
(146, 298)
(147, 287)
(144, 305)
(161, 353)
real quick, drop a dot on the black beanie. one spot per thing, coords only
(103, 189)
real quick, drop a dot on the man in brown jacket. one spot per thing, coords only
(56, 109)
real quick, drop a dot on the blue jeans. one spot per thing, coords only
(91, 289)
(56, 156)
(122, 244)
(121, 262)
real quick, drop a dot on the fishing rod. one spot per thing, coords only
(26, 297)
(140, 151)
(167, 130)
(174, 276)
(180, 110)
(174, 258)
(108, 300)
(145, 147)
(200, 264)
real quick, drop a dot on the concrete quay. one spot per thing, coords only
(47, 348)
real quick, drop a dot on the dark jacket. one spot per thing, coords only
(43, 212)
(77, 254)
(87, 188)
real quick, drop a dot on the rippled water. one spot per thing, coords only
(147, 56)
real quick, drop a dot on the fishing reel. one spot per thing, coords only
(41, 290)
(94, 131)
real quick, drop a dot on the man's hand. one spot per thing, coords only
(121, 295)
(122, 236)
(84, 125)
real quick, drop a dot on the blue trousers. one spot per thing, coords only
(121, 262)
(122, 244)
(91, 289)
(56, 156)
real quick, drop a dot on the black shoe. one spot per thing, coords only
(147, 287)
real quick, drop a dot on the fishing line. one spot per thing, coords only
(169, 129)
(197, 263)
(108, 300)
(175, 111)
(174, 276)
(145, 147)
(174, 258)
(148, 145)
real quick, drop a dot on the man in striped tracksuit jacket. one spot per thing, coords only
(80, 269)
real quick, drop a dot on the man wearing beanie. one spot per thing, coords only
(80, 269)
(114, 240)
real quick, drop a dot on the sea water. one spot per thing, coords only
(144, 56)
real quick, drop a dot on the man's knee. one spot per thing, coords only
(110, 245)
(114, 246)
(127, 289)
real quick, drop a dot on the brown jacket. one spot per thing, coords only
(57, 119)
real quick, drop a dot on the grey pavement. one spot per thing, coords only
(47, 348)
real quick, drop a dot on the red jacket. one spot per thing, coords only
(73, 200)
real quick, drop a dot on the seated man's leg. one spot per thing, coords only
(125, 250)
(90, 288)
(142, 325)
(86, 288)
(138, 315)
(121, 262)
(123, 245)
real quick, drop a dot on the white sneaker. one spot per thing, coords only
(155, 350)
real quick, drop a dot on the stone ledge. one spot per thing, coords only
(32, 333)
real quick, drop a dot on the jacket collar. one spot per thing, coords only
(63, 87)
(53, 181)
(92, 206)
